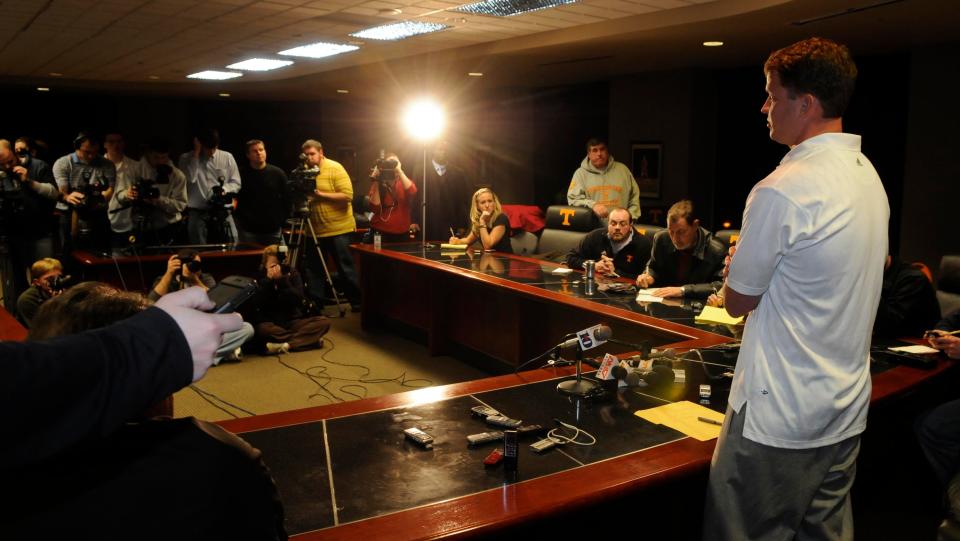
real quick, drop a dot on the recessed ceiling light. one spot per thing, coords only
(55, 74)
(507, 8)
(398, 30)
(319, 50)
(713, 44)
(475, 73)
(224, 94)
(152, 77)
(214, 75)
(259, 64)
(43, 89)
(342, 91)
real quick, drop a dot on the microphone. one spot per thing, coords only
(660, 375)
(588, 338)
(661, 353)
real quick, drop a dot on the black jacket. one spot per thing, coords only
(706, 269)
(908, 302)
(59, 392)
(629, 262)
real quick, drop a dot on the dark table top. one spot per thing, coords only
(540, 274)
(361, 466)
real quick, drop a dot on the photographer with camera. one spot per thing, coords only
(149, 199)
(212, 181)
(391, 193)
(28, 194)
(280, 311)
(183, 271)
(263, 205)
(86, 180)
(46, 281)
(331, 214)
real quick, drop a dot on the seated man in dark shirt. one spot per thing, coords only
(686, 260)
(908, 302)
(618, 249)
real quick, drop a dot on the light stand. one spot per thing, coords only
(423, 120)
(579, 386)
(423, 201)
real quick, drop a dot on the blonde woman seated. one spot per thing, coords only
(488, 223)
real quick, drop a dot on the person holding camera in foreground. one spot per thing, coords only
(488, 223)
(391, 193)
(46, 281)
(183, 271)
(81, 468)
(280, 311)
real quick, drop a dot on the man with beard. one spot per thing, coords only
(617, 249)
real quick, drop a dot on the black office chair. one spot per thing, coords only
(728, 237)
(566, 225)
(524, 242)
(648, 231)
(948, 284)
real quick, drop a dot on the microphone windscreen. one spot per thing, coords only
(660, 375)
(603, 333)
(634, 379)
(618, 372)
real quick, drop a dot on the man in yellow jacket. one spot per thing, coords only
(331, 214)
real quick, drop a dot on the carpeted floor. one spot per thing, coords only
(353, 364)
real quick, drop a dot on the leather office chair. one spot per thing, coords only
(728, 237)
(948, 284)
(566, 225)
(648, 231)
(524, 242)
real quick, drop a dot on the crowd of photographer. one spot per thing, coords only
(99, 199)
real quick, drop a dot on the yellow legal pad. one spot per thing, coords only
(712, 314)
(682, 416)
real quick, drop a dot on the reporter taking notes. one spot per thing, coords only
(488, 223)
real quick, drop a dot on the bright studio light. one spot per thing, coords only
(424, 120)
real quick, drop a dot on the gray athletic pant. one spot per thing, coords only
(769, 493)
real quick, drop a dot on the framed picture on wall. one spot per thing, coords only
(646, 166)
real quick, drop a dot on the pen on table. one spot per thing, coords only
(452, 234)
(709, 421)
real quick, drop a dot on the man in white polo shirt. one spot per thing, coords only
(809, 264)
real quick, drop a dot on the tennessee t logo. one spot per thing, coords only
(567, 213)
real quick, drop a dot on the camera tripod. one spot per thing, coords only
(296, 242)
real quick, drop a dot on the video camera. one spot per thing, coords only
(148, 189)
(92, 191)
(11, 194)
(220, 199)
(301, 184)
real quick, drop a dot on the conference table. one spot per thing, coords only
(346, 471)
